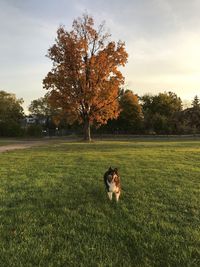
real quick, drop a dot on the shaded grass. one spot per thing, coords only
(54, 210)
(7, 142)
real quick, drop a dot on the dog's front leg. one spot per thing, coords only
(117, 196)
(110, 195)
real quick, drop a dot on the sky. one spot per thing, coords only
(162, 39)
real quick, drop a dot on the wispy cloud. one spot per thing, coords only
(162, 39)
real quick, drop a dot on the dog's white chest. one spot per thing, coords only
(112, 187)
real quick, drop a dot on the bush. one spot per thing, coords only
(34, 130)
(11, 129)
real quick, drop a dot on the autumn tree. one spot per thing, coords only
(85, 78)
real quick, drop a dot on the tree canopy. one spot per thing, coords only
(196, 102)
(40, 107)
(159, 111)
(131, 116)
(11, 112)
(85, 78)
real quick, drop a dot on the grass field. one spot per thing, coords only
(5, 142)
(54, 210)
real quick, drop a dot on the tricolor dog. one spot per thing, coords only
(112, 183)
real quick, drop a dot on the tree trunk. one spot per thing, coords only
(86, 129)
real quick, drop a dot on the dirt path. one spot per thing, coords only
(21, 145)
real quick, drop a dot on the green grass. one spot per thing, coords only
(54, 210)
(11, 141)
(5, 142)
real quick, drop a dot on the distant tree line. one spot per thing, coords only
(155, 114)
(162, 113)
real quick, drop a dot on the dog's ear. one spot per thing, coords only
(116, 170)
(110, 169)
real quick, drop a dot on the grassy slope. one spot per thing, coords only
(54, 210)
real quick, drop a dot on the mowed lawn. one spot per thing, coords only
(54, 210)
(5, 142)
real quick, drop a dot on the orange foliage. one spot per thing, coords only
(85, 80)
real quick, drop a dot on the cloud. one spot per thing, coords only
(161, 36)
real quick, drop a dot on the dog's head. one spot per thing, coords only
(112, 175)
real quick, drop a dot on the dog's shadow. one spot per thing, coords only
(98, 195)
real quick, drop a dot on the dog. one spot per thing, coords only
(112, 183)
